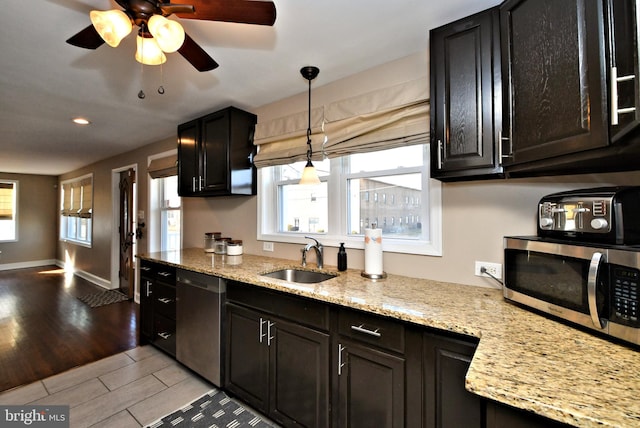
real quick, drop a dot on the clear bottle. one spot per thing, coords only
(342, 258)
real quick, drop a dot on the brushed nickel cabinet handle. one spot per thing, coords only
(361, 329)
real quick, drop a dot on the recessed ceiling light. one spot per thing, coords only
(80, 121)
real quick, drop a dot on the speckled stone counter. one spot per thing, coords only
(523, 359)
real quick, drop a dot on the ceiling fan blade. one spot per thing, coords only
(242, 11)
(169, 8)
(192, 52)
(87, 38)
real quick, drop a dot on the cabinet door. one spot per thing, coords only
(501, 416)
(247, 356)
(188, 163)
(299, 373)
(466, 104)
(447, 402)
(214, 151)
(371, 387)
(624, 66)
(555, 91)
(146, 307)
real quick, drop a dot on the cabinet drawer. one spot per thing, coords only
(368, 328)
(164, 300)
(164, 333)
(298, 309)
(159, 271)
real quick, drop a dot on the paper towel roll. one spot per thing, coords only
(373, 251)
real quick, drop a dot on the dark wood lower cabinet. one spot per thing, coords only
(279, 367)
(447, 404)
(304, 363)
(371, 387)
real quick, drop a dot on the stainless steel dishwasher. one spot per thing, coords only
(200, 326)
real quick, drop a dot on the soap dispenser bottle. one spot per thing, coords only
(342, 258)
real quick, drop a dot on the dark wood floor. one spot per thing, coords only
(45, 329)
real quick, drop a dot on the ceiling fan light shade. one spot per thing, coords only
(169, 34)
(112, 25)
(148, 51)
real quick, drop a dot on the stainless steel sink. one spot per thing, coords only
(300, 276)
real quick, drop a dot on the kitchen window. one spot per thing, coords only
(8, 210)
(348, 200)
(76, 210)
(170, 211)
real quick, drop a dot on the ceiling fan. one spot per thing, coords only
(150, 15)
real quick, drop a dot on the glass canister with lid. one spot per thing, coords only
(209, 241)
(220, 245)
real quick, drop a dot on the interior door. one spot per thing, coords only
(126, 233)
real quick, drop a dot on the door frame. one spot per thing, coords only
(115, 224)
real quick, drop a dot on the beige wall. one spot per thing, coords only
(97, 260)
(37, 225)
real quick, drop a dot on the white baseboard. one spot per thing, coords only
(94, 279)
(29, 264)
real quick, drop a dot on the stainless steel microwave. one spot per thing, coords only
(595, 286)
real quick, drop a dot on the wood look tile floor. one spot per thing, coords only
(130, 389)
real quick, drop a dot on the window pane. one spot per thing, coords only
(303, 208)
(401, 157)
(170, 235)
(8, 204)
(395, 205)
(170, 198)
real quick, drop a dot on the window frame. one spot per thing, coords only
(63, 234)
(16, 215)
(267, 216)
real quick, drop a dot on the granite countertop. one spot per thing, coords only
(523, 359)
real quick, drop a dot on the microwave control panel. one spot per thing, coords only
(624, 295)
(588, 214)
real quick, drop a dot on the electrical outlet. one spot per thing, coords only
(494, 269)
(267, 246)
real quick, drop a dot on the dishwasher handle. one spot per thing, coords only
(210, 283)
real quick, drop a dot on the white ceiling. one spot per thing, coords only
(44, 82)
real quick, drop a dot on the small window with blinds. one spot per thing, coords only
(76, 210)
(8, 210)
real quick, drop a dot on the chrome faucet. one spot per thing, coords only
(319, 252)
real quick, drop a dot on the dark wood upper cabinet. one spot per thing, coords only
(554, 78)
(466, 112)
(567, 100)
(215, 154)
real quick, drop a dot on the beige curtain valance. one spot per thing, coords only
(163, 167)
(77, 198)
(284, 140)
(382, 119)
(389, 117)
(6, 201)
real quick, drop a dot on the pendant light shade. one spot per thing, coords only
(169, 34)
(148, 52)
(309, 174)
(112, 25)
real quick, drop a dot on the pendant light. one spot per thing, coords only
(309, 174)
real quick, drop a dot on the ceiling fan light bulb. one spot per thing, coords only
(169, 34)
(112, 25)
(148, 51)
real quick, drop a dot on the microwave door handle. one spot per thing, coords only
(592, 285)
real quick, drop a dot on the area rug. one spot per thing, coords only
(102, 298)
(215, 409)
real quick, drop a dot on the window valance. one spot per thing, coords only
(77, 198)
(163, 167)
(381, 119)
(284, 140)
